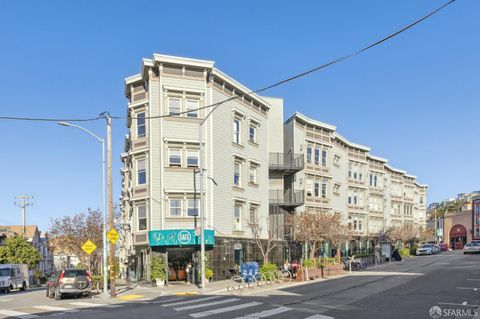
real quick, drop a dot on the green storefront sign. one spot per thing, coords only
(179, 237)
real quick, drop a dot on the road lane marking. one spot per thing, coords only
(207, 304)
(458, 304)
(226, 309)
(88, 304)
(319, 317)
(472, 288)
(190, 301)
(473, 279)
(265, 313)
(59, 309)
(17, 314)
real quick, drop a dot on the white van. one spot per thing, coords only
(13, 276)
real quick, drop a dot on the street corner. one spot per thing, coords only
(130, 297)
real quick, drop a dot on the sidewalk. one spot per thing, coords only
(135, 292)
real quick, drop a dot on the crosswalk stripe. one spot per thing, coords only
(265, 313)
(190, 301)
(226, 309)
(208, 304)
(317, 316)
(17, 314)
(87, 304)
(168, 300)
(52, 308)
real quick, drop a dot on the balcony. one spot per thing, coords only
(288, 163)
(287, 198)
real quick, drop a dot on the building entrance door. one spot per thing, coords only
(458, 236)
(178, 259)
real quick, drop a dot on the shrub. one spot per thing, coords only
(268, 268)
(157, 269)
(308, 263)
(208, 273)
(405, 252)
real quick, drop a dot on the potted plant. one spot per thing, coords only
(157, 270)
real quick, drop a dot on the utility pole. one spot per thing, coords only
(110, 203)
(24, 202)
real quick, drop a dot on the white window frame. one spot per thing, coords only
(324, 158)
(176, 207)
(138, 217)
(172, 98)
(324, 189)
(253, 126)
(170, 151)
(316, 156)
(309, 186)
(239, 180)
(193, 207)
(192, 112)
(309, 153)
(144, 171)
(193, 151)
(237, 220)
(237, 132)
(252, 171)
(144, 125)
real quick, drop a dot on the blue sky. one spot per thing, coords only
(414, 99)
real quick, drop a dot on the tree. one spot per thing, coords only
(16, 250)
(265, 245)
(69, 233)
(403, 233)
(311, 228)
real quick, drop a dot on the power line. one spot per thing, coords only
(315, 69)
(43, 119)
(291, 78)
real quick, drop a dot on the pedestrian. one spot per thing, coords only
(189, 272)
(286, 265)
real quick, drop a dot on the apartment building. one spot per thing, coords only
(167, 105)
(344, 178)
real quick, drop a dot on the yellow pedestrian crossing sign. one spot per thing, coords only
(113, 236)
(89, 247)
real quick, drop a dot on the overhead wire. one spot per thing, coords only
(268, 87)
(305, 73)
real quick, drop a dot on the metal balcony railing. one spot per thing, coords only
(286, 198)
(286, 162)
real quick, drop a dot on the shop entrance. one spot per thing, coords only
(458, 236)
(178, 260)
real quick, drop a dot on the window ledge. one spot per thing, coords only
(238, 189)
(238, 231)
(240, 146)
(182, 118)
(253, 184)
(253, 143)
(180, 169)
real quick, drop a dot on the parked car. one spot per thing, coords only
(69, 282)
(437, 249)
(471, 248)
(443, 246)
(425, 249)
(13, 276)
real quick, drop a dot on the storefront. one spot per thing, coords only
(457, 229)
(180, 247)
(458, 236)
(476, 218)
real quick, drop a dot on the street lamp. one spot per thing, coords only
(101, 140)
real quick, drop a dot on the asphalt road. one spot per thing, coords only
(410, 289)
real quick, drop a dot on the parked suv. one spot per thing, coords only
(72, 282)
